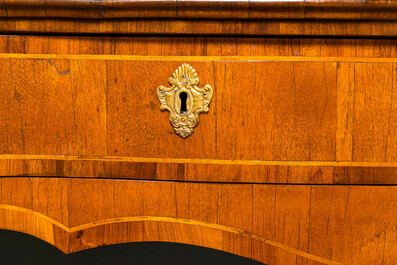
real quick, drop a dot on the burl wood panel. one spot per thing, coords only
(273, 224)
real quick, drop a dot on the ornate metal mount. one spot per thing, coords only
(184, 99)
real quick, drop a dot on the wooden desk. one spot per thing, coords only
(294, 163)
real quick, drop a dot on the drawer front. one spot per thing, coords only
(261, 110)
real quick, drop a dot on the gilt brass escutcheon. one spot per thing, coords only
(184, 99)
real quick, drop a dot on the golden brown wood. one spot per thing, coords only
(3, 11)
(200, 170)
(29, 8)
(282, 223)
(211, 9)
(345, 108)
(296, 28)
(295, 163)
(201, 46)
(378, 110)
(154, 130)
(297, 127)
(139, 9)
(130, 99)
(317, 116)
(33, 95)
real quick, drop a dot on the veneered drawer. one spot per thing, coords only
(249, 180)
(265, 108)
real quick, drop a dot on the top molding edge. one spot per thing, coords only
(201, 9)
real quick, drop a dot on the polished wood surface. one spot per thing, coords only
(345, 49)
(274, 224)
(355, 18)
(123, 119)
(295, 163)
(191, 9)
(297, 28)
(200, 170)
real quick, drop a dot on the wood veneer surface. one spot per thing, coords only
(283, 28)
(199, 170)
(199, 46)
(208, 9)
(108, 122)
(373, 18)
(340, 110)
(274, 224)
(307, 112)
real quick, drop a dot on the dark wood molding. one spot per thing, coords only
(188, 9)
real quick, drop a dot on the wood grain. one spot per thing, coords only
(99, 164)
(202, 170)
(72, 127)
(370, 110)
(132, 120)
(335, 110)
(292, 28)
(345, 108)
(242, 9)
(283, 223)
(200, 46)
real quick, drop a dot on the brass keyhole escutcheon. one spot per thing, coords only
(184, 99)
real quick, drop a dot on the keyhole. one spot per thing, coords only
(183, 97)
